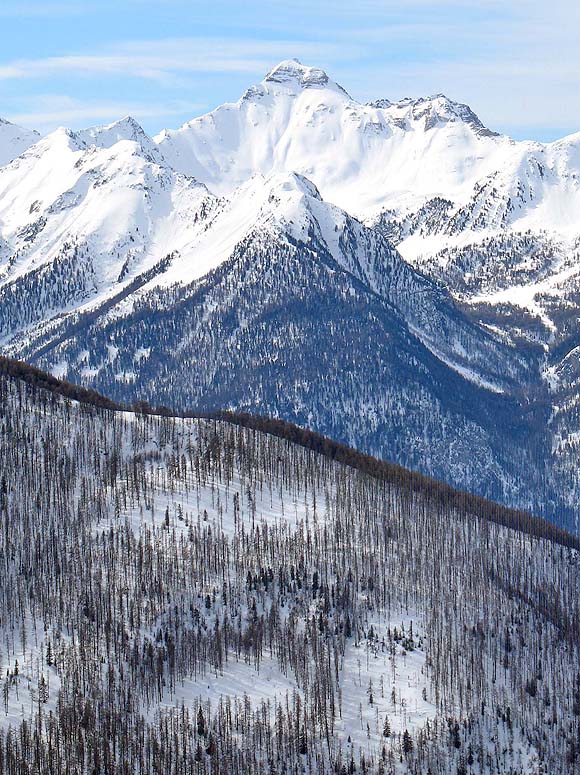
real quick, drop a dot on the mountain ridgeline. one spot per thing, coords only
(236, 595)
(393, 275)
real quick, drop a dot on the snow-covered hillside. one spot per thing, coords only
(104, 194)
(184, 595)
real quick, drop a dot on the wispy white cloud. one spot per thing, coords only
(48, 111)
(159, 59)
(518, 68)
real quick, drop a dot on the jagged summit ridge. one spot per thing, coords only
(434, 111)
(292, 72)
(366, 158)
(126, 128)
(370, 158)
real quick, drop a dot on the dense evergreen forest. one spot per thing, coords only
(230, 595)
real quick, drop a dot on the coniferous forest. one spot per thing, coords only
(214, 596)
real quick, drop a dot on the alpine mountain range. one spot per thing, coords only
(394, 275)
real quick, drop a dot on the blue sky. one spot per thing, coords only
(73, 63)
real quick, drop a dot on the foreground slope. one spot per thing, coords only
(188, 596)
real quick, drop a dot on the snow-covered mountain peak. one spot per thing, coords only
(294, 75)
(105, 136)
(272, 209)
(113, 199)
(362, 157)
(289, 207)
(126, 129)
(14, 140)
(282, 201)
(289, 202)
(293, 183)
(54, 148)
(566, 152)
(380, 103)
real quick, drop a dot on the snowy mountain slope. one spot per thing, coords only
(460, 202)
(14, 140)
(525, 287)
(380, 156)
(426, 170)
(79, 221)
(198, 594)
(108, 189)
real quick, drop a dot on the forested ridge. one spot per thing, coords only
(381, 469)
(193, 595)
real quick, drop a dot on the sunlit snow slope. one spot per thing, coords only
(371, 157)
(14, 140)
